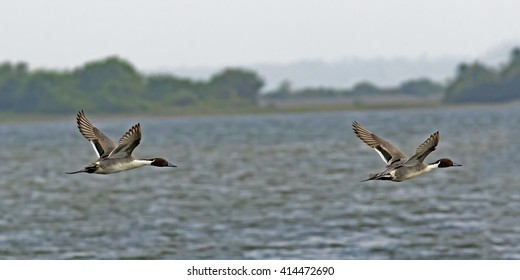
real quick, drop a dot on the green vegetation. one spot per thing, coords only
(418, 88)
(113, 85)
(477, 83)
(474, 83)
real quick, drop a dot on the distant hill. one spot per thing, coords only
(348, 72)
(341, 74)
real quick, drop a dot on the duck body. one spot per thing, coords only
(400, 172)
(108, 165)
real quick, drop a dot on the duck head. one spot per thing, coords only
(161, 162)
(446, 162)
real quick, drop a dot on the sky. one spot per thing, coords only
(155, 34)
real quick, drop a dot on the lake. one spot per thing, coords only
(265, 187)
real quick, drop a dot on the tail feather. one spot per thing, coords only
(79, 171)
(378, 176)
(88, 169)
(371, 177)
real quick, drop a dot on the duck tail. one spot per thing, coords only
(79, 171)
(379, 176)
(88, 169)
(371, 177)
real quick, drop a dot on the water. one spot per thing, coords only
(265, 187)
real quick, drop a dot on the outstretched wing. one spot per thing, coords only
(100, 142)
(127, 143)
(387, 151)
(425, 148)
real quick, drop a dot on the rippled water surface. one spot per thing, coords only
(265, 187)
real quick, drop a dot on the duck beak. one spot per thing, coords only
(457, 164)
(171, 165)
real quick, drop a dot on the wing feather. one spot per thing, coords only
(100, 142)
(387, 151)
(425, 148)
(127, 143)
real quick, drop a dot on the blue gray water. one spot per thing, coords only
(265, 187)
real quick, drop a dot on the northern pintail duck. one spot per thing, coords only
(112, 158)
(398, 167)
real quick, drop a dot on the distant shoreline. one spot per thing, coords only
(11, 117)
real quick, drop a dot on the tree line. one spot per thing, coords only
(114, 85)
(473, 83)
(415, 87)
(478, 83)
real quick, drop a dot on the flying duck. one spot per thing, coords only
(114, 158)
(398, 167)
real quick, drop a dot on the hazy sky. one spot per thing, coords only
(156, 34)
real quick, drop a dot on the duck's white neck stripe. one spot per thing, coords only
(142, 161)
(132, 164)
(432, 166)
